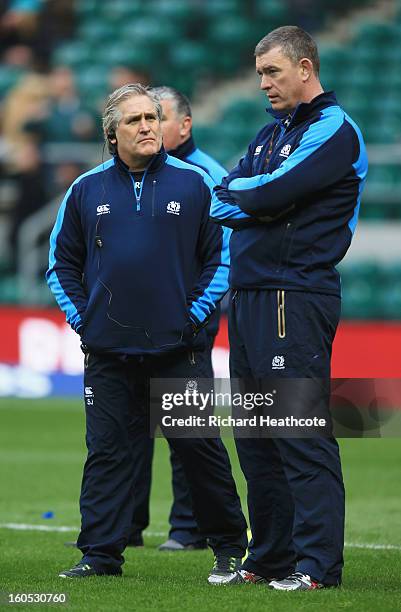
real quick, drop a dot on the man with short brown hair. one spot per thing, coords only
(293, 200)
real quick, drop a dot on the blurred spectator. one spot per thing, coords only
(121, 75)
(36, 24)
(56, 24)
(20, 16)
(18, 22)
(19, 56)
(65, 174)
(68, 120)
(25, 103)
(118, 76)
(30, 179)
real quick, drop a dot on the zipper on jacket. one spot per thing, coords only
(138, 193)
(281, 313)
(86, 360)
(153, 197)
(191, 357)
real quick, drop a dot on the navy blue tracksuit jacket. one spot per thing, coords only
(189, 153)
(117, 265)
(304, 176)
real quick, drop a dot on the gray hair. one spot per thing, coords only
(112, 114)
(181, 103)
(295, 44)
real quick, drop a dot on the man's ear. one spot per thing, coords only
(186, 126)
(306, 68)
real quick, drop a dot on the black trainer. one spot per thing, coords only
(83, 570)
(225, 570)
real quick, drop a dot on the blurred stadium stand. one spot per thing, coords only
(51, 97)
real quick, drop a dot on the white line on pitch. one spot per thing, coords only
(372, 546)
(26, 527)
(64, 528)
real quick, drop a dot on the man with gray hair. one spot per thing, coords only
(184, 533)
(293, 200)
(138, 268)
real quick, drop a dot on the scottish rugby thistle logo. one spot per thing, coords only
(278, 362)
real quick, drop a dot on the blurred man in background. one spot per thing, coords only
(294, 201)
(184, 533)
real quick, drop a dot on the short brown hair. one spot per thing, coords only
(294, 42)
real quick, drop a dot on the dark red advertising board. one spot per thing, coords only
(40, 338)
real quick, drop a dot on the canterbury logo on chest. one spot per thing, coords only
(103, 209)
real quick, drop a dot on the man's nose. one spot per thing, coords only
(265, 83)
(144, 126)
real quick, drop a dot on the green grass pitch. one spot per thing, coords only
(41, 456)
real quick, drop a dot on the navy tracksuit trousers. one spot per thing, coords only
(295, 486)
(183, 526)
(116, 398)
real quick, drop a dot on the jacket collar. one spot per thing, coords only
(155, 164)
(184, 149)
(304, 110)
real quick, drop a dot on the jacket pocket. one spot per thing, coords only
(281, 329)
